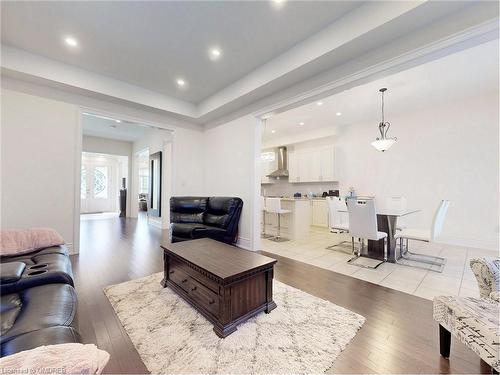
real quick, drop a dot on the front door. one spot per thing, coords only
(98, 186)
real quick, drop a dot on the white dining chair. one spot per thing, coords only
(363, 225)
(337, 222)
(263, 209)
(425, 236)
(273, 205)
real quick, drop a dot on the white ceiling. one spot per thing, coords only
(108, 128)
(472, 72)
(150, 44)
(132, 52)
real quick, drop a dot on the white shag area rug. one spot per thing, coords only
(304, 334)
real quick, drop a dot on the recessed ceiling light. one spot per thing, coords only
(273, 131)
(339, 113)
(181, 82)
(118, 121)
(301, 123)
(70, 41)
(278, 3)
(319, 103)
(214, 53)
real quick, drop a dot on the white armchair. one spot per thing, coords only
(474, 321)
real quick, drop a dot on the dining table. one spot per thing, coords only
(387, 218)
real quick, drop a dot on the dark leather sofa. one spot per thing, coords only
(38, 301)
(205, 217)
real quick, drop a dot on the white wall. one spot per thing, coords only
(231, 159)
(39, 139)
(101, 145)
(445, 152)
(112, 147)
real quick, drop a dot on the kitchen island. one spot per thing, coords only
(296, 224)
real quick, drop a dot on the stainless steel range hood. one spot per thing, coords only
(282, 170)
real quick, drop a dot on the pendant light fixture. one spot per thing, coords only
(383, 143)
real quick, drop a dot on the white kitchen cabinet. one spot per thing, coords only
(319, 217)
(293, 168)
(311, 165)
(327, 164)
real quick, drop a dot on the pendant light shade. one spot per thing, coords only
(383, 142)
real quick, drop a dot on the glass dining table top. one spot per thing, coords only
(388, 211)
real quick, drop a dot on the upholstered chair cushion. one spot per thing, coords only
(487, 272)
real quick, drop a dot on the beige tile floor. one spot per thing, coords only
(456, 278)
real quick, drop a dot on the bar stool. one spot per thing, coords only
(264, 210)
(273, 205)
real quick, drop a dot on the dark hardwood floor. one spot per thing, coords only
(399, 335)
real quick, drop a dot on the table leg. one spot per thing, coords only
(375, 250)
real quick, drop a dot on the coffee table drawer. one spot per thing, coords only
(179, 277)
(204, 296)
(195, 274)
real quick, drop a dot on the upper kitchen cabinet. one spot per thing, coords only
(312, 165)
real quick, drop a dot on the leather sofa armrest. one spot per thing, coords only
(11, 272)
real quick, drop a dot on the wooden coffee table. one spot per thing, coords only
(226, 284)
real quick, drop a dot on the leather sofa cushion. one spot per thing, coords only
(184, 217)
(195, 230)
(188, 205)
(11, 306)
(40, 307)
(185, 229)
(220, 211)
(47, 336)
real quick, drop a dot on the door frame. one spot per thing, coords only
(114, 176)
(168, 145)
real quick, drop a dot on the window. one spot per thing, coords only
(101, 182)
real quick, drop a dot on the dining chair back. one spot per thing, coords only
(336, 218)
(362, 218)
(438, 221)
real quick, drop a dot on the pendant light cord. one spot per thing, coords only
(382, 107)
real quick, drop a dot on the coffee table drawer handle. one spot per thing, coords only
(185, 280)
(171, 272)
(211, 302)
(194, 288)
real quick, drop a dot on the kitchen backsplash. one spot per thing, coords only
(284, 188)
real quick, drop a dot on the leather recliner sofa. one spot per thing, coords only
(38, 301)
(205, 217)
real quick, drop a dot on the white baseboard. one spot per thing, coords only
(244, 243)
(487, 244)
